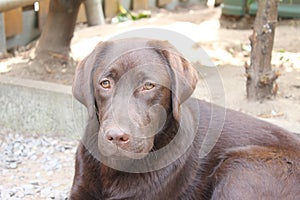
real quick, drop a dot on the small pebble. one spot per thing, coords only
(41, 156)
(46, 192)
(36, 182)
(28, 189)
(12, 165)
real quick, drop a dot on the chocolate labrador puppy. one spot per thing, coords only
(146, 138)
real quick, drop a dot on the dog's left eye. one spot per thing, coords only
(105, 84)
(148, 86)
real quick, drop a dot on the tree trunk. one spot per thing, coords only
(54, 43)
(260, 76)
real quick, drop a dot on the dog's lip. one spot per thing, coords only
(132, 154)
(123, 154)
(115, 151)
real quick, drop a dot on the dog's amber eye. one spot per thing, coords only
(105, 84)
(148, 86)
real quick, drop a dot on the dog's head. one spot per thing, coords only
(133, 89)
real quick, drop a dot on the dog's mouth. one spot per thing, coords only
(135, 149)
(121, 153)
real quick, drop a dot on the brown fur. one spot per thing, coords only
(252, 159)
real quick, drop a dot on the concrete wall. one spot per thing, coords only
(40, 107)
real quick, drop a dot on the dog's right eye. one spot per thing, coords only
(105, 84)
(148, 86)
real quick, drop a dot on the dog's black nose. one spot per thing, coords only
(117, 136)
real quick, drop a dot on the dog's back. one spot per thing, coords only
(252, 159)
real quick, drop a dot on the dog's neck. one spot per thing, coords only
(167, 134)
(163, 138)
(114, 183)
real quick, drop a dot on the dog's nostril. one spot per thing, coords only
(117, 136)
(110, 138)
(124, 138)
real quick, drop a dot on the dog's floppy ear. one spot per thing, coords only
(83, 81)
(184, 76)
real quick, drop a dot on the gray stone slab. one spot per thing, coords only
(40, 107)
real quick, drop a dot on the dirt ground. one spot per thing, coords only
(229, 49)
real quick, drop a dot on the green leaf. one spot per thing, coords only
(249, 2)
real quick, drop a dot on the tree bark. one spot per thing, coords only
(260, 76)
(57, 33)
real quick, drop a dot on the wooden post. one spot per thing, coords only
(162, 3)
(11, 4)
(13, 21)
(81, 17)
(140, 4)
(111, 8)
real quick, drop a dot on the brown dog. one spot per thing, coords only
(147, 139)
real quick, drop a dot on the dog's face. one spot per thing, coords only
(132, 94)
(133, 88)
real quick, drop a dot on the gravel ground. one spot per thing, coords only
(35, 167)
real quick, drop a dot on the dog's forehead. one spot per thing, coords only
(125, 55)
(134, 49)
(113, 49)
